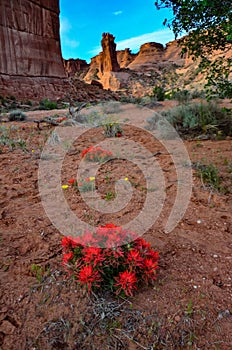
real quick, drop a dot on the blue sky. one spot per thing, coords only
(133, 23)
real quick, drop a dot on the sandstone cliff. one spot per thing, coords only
(125, 57)
(154, 56)
(103, 64)
(73, 66)
(30, 55)
(109, 56)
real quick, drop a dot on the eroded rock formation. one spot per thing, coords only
(73, 66)
(109, 56)
(154, 56)
(30, 54)
(103, 64)
(125, 57)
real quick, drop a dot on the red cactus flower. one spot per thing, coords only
(134, 257)
(153, 255)
(72, 181)
(85, 151)
(67, 257)
(89, 277)
(126, 282)
(142, 244)
(68, 243)
(150, 267)
(93, 256)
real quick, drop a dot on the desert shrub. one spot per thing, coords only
(93, 118)
(111, 107)
(182, 96)
(131, 99)
(6, 140)
(208, 174)
(84, 185)
(197, 94)
(47, 104)
(169, 95)
(159, 93)
(200, 117)
(17, 115)
(112, 129)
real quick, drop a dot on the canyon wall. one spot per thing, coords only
(73, 66)
(125, 57)
(154, 56)
(31, 64)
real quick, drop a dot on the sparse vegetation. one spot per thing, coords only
(159, 93)
(38, 272)
(7, 140)
(209, 175)
(112, 129)
(182, 96)
(47, 104)
(145, 101)
(109, 196)
(208, 30)
(17, 115)
(198, 118)
(111, 107)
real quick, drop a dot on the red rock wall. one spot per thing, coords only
(72, 66)
(125, 57)
(109, 55)
(155, 56)
(30, 53)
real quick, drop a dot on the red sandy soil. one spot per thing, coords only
(190, 304)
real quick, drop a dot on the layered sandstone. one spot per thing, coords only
(73, 66)
(106, 62)
(30, 54)
(125, 57)
(109, 55)
(154, 56)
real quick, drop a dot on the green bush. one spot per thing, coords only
(197, 94)
(17, 115)
(112, 107)
(209, 175)
(159, 93)
(182, 96)
(201, 118)
(47, 104)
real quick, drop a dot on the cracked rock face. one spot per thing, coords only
(30, 53)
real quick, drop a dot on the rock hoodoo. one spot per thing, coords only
(31, 64)
(104, 65)
(109, 56)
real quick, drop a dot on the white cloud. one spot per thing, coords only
(65, 26)
(71, 43)
(161, 36)
(116, 13)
